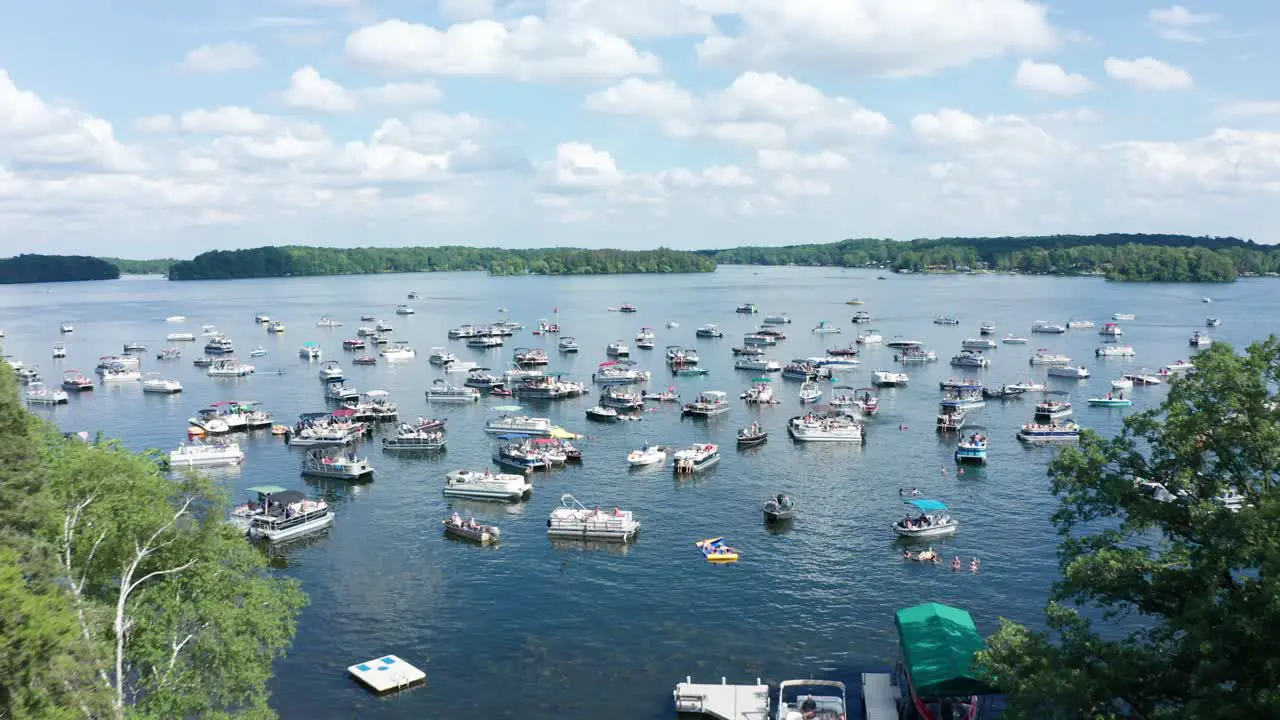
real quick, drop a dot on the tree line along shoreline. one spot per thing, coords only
(1119, 257)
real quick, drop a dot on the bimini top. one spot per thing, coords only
(928, 505)
(938, 644)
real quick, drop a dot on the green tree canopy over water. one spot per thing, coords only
(1170, 258)
(299, 260)
(1185, 592)
(55, 268)
(124, 592)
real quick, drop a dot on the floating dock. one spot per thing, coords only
(386, 673)
(879, 697)
(723, 701)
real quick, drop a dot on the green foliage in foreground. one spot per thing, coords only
(142, 267)
(124, 593)
(1187, 593)
(298, 261)
(54, 268)
(1134, 257)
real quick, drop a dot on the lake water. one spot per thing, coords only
(535, 629)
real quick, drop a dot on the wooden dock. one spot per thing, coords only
(723, 701)
(879, 697)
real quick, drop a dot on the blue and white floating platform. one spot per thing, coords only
(386, 673)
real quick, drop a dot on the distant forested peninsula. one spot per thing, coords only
(1129, 257)
(141, 267)
(55, 268)
(298, 261)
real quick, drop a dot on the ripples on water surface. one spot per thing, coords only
(536, 629)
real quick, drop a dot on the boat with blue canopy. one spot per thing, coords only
(934, 520)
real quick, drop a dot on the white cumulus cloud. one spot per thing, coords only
(221, 58)
(1050, 79)
(1180, 24)
(1148, 73)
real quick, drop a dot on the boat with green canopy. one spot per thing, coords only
(938, 643)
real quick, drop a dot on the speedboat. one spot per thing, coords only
(207, 330)
(335, 466)
(647, 455)
(262, 318)
(1200, 339)
(628, 308)
(1028, 386)
(825, 428)
(1206, 299)
(823, 328)
(1111, 330)
(1122, 316)
(618, 349)
(154, 383)
(887, 378)
(59, 350)
(486, 485)
(847, 351)
(1105, 351)
(708, 404)
(1042, 326)
(698, 456)
(199, 454)
(531, 357)
(229, 367)
(1111, 400)
(677, 355)
(338, 392)
(399, 350)
(281, 514)
(868, 337)
(572, 520)
(1122, 383)
(484, 342)
(934, 520)
(761, 393)
(946, 320)
(28, 375)
(1069, 371)
(602, 414)
(749, 351)
(987, 328)
(1212, 322)
(862, 316)
(709, 331)
(76, 380)
(1178, 366)
(365, 360)
(1051, 432)
(470, 529)
(747, 309)
(120, 373)
(567, 344)
(1012, 339)
(441, 391)
(219, 345)
(275, 327)
(440, 356)
(210, 421)
(970, 358)
(810, 392)
(817, 699)
(1045, 356)
(672, 324)
(328, 322)
(646, 339)
(519, 425)
(38, 394)
(972, 449)
(779, 508)
(66, 327)
(383, 326)
(331, 371)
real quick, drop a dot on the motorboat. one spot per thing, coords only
(243, 415)
(1042, 326)
(198, 454)
(262, 318)
(366, 331)
(869, 336)
(716, 550)
(861, 316)
(77, 381)
(617, 349)
(399, 350)
(484, 342)
(521, 453)
(414, 439)
(519, 425)
(668, 395)
(934, 520)
(698, 456)
(1049, 432)
(1122, 316)
(326, 430)
(440, 356)
(1212, 322)
(617, 372)
(972, 449)
(1206, 299)
(331, 371)
(28, 375)
(1110, 330)
(335, 466)
(133, 347)
(229, 367)
(441, 391)
(1178, 366)
(600, 413)
(180, 337)
(470, 530)
(987, 328)
(951, 415)
(756, 339)
(169, 353)
(463, 332)
(1045, 356)
(757, 365)
(1145, 377)
(647, 455)
(613, 396)
(825, 428)
(752, 435)
(210, 421)
(800, 370)
(275, 327)
(843, 362)
(946, 320)
(779, 508)
(1108, 351)
(760, 393)
(824, 328)
(120, 373)
(709, 403)
(855, 301)
(280, 514)
(628, 308)
(1052, 408)
(207, 330)
(967, 384)
(709, 331)
(967, 398)
(777, 319)
(481, 379)
(572, 520)
(59, 350)
(810, 392)
(546, 327)
(219, 345)
(771, 331)
(1004, 392)
(37, 394)
(850, 350)
(677, 355)
(978, 344)
(549, 387)
(970, 358)
(1122, 383)
(746, 309)
(816, 699)
(373, 406)
(749, 351)
(459, 367)
(567, 344)
(383, 326)
(365, 360)
(486, 485)
(1028, 386)
(338, 392)
(517, 374)
(866, 401)
(355, 343)
(1200, 339)
(888, 378)
(128, 362)
(1111, 400)
(672, 324)
(328, 322)
(916, 355)
(66, 327)
(1071, 372)
(154, 383)
(1079, 324)
(1012, 339)
(531, 357)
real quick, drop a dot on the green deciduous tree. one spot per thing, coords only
(1186, 593)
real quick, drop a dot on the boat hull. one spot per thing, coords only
(927, 532)
(296, 530)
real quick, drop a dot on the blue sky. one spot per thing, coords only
(147, 129)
